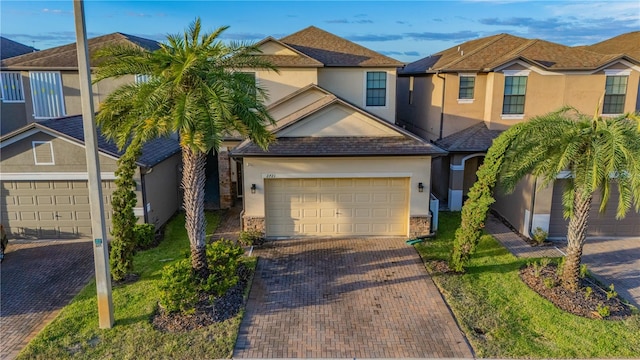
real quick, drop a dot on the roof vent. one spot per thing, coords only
(462, 53)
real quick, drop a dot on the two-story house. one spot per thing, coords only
(339, 166)
(463, 97)
(45, 84)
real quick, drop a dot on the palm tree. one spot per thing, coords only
(196, 88)
(598, 153)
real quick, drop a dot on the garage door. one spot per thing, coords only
(600, 224)
(50, 209)
(336, 207)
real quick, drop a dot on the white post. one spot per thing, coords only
(98, 227)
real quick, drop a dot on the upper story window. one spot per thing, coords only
(142, 78)
(376, 88)
(615, 92)
(11, 83)
(466, 88)
(46, 93)
(515, 90)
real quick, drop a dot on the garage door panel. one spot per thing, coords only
(46, 215)
(357, 206)
(28, 216)
(80, 199)
(25, 200)
(44, 200)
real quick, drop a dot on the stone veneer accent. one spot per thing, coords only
(224, 171)
(250, 222)
(419, 226)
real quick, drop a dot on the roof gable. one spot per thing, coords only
(337, 120)
(282, 55)
(66, 56)
(332, 50)
(628, 43)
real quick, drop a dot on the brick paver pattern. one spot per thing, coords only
(346, 298)
(37, 279)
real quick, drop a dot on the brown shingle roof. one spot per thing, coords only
(298, 60)
(66, 56)
(474, 138)
(332, 50)
(10, 48)
(340, 146)
(628, 43)
(488, 53)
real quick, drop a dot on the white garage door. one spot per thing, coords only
(600, 224)
(337, 207)
(50, 208)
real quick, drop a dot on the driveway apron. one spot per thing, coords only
(38, 278)
(346, 298)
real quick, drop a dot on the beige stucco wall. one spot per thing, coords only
(161, 186)
(68, 157)
(349, 84)
(257, 169)
(422, 116)
(513, 206)
(285, 81)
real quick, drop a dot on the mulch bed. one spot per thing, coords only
(546, 282)
(207, 312)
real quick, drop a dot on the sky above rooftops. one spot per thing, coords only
(404, 30)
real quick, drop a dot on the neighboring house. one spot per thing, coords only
(463, 97)
(43, 182)
(10, 48)
(45, 84)
(339, 166)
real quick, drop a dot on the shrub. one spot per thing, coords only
(539, 235)
(178, 290)
(611, 293)
(587, 292)
(144, 235)
(603, 311)
(583, 271)
(223, 257)
(549, 283)
(250, 237)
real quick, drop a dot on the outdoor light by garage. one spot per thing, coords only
(420, 187)
(253, 188)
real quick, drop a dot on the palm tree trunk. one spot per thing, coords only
(576, 236)
(193, 181)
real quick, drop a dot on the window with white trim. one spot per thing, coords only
(142, 78)
(46, 93)
(466, 87)
(43, 152)
(515, 90)
(12, 90)
(376, 88)
(615, 94)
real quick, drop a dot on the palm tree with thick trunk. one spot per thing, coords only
(194, 86)
(594, 154)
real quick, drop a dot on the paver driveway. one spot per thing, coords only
(38, 278)
(347, 298)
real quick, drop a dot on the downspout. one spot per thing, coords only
(533, 204)
(143, 188)
(444, 87)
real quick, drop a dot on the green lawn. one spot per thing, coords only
(502, 317)
(75, 334)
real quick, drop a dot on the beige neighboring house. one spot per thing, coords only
(45, 84)
(339, 166)
(43, 182)
(463, 97)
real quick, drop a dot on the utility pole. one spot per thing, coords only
(98, 227)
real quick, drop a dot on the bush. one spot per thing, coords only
(250, 237)
(180, 288)
(178, 291)
(539, 235)
(144, 236)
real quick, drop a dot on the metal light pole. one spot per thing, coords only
(98, 227)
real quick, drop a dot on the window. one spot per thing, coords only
(46, 92)
(467, 84)
(376, 88)
(43, 152)
(11, 83)
(142, 78)
(515, 88)
(614, 94)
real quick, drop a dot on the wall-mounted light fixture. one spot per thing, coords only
(253, 188)
(420, 187)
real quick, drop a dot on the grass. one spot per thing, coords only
(75, 333)
(503, 317)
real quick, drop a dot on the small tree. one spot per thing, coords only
(124, 220)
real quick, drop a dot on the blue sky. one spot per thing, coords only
(405, 30)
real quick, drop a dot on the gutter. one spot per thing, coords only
(533, 204)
